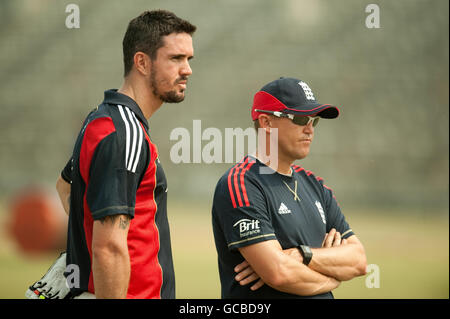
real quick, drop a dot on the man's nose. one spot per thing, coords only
(186, 69)
(309, 128)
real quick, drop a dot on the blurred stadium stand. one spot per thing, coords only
(389, 148)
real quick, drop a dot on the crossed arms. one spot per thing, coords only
(337, 260)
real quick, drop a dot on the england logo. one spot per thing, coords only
(308, 93)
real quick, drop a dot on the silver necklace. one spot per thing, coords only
(293, 191)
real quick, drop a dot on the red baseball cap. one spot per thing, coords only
(290, 96)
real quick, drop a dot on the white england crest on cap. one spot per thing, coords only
(308, 93)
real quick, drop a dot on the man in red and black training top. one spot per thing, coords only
(114, 184)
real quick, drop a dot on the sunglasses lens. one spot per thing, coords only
(315, 121)
(304, 120)
(301, 120)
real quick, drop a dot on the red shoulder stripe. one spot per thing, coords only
(318, 178)
(244, 190)
(235, 178)
(297, 168)
(236, 172)
(230, 187)
(230, 183)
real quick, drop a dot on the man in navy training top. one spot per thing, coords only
(278, 230)
(114, 184)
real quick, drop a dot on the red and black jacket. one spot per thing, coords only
(114, 170)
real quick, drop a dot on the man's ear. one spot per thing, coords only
(142, 63)
(265, 122)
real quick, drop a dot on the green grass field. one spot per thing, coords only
(411, 251)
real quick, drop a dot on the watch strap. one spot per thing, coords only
(306, 253)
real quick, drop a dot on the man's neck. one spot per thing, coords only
(142, 95)
(282, 167)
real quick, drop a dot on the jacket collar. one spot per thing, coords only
(114, 97)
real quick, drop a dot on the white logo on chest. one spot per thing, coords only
(283, 209)
(321, 212)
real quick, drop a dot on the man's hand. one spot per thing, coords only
(282, 270)
(246, 275)
(340, 258)
(333, 239)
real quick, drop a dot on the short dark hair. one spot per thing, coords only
(145, 32)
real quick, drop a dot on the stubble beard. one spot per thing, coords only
(167, 97)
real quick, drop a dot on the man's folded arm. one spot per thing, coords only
(284, 272)
(342, 262)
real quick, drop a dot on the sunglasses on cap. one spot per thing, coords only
(299, 120)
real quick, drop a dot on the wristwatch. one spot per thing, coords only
(306, 253)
